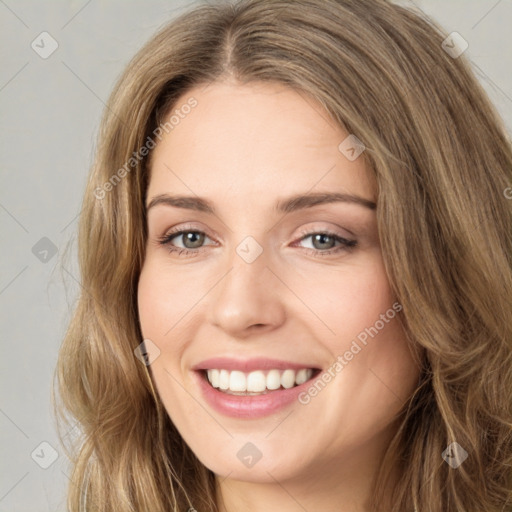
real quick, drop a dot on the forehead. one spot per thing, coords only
(256, 140)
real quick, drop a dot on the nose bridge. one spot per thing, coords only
(246, 295)
(248, 262)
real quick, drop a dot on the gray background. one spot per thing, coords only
(50, 110)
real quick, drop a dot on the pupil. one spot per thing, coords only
(321, 238)
(190, 238)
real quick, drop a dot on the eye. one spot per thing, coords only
(192, 240)
(324, 243)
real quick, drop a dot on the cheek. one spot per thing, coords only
(359, 307)
(161, 307)
(347, 299)
(164, 300)
(159, 310)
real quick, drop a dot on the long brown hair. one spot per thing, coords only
(443, 163)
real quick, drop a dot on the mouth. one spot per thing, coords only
(252, 388)
(257, 382)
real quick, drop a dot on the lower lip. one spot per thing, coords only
(249, 406)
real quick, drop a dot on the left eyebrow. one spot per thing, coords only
(301, 201)
(290, 204)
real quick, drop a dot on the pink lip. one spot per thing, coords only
(247, 407)
(261, 363)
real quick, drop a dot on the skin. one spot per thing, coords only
(243, 147)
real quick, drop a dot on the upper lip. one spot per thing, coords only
(248, 365)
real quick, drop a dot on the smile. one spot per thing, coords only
(257, 382)
(253, 388)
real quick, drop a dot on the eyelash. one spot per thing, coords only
(347, 245)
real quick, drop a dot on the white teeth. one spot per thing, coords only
(302, 376)
(308, 373)
(213, 376)
(273, 379)
(237, 381)
(223, 379)
(257, 382)
(288, 379)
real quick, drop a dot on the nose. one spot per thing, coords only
(248, 298)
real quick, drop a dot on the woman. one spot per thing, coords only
(221, 357)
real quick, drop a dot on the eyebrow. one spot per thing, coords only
(288, 205)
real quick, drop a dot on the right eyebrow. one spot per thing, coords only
(188, 202)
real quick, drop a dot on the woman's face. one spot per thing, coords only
(273, 281)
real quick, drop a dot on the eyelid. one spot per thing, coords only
(302, 232)
(347, 244)
(180, 230)
(332, 231)
(186, 227)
